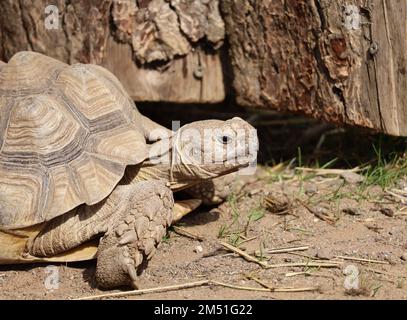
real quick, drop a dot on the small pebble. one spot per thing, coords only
(352, 177)
(352, 211)
(390, 259)
(311, 189)
(324, 254)
(198, 249)
(254, 191)
(387, 212)
(404, 256)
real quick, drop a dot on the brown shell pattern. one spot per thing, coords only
(66, 137)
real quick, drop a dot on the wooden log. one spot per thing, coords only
(344, 62)
(195, 78)
(160, 50)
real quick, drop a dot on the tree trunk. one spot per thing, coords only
(344, 62)
(160, 50)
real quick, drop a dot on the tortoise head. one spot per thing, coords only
(210, 148)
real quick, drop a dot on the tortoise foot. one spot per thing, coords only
(131, 240)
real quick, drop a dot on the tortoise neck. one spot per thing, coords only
(168, 163)
(147, 172)
(160, 165)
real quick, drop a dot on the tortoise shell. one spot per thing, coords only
(67, 134)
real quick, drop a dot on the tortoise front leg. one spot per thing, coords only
(132, 221)
(217, 190)
(131, 239)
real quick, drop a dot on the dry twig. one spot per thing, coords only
(191, 285)
(385, 273)
(244, 254)
(322, 172)
(145, 291)
(307, 264)
(288, 249)
(320, 215)
(276, 289)
(249, 239)
(361, 259)
(401, 198)
(187, 234)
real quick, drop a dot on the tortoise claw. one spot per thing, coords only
(133, 237)
(131, 270)
(128, 237)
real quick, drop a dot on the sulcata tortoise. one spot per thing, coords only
(84, 175)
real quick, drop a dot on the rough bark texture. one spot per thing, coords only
(311, 56)
(156, 40)
(158, 30)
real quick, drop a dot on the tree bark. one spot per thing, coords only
(341, 61)
(324, 58)
(161, 50)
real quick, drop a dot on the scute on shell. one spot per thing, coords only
(66, 136)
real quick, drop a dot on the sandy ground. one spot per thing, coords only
(331, 216)
(328, 216)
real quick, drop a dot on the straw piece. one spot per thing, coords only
(361, 259)
(285, 250)
(187, 234)
(151, 290)
(328, 171)
(244, 254)
(306, 264)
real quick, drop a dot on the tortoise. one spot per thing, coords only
(82, 171)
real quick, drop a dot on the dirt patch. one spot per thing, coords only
(332, 215)
(365, 223)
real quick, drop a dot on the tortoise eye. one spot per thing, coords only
(225, 139)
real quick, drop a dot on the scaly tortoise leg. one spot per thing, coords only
(130, 242)
(132, 238)
(215, 191)
(132, 221)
